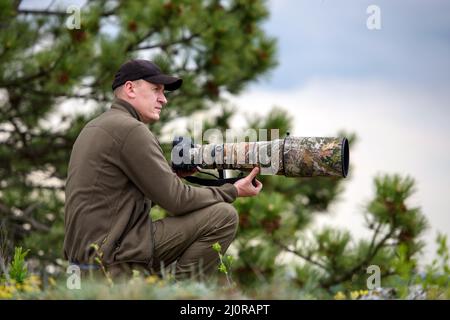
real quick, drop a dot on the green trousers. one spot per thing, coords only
(184, 243)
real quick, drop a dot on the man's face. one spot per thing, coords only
(148, 100)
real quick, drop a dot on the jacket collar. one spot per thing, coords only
(125, 106)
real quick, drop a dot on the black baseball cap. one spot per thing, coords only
(143, 69)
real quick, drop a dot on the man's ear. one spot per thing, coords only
(129, 90)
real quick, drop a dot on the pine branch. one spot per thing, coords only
(132, 46)
(374, 237)
(359, 266)
(299, 254)
(48, 12)
(258, 273)
(87, 96)
(25, 217)
(165, 45)
(29, 78)
(41, 12)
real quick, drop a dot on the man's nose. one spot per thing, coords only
(162, 98)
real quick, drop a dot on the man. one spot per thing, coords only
(117, 171)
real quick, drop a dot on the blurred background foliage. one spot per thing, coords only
(218, 48)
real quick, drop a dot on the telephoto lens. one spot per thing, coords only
(291, 156)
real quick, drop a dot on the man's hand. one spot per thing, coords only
(245, 186)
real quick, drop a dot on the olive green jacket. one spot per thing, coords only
(116, 170)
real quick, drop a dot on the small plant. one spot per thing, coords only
(98, 259)
(16, 281)
(437, 274)
(17, 269)
(225, 262)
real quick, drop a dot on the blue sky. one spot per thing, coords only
(330, 39)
